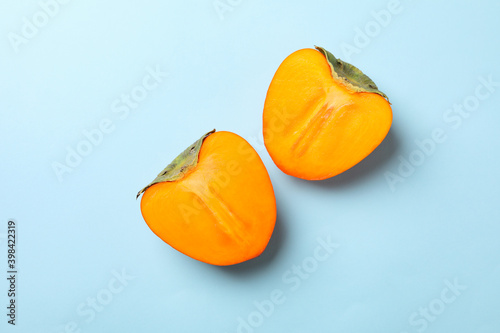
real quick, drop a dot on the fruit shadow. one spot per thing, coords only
(368, 167)
(271, 251)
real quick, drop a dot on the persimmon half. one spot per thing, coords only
(322, 115)
(214, 202)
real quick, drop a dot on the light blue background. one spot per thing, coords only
(396, 248)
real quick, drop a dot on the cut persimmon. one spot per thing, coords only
(214, 202)
(322, 115)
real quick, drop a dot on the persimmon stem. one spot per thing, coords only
(181, 165)
(350, 75)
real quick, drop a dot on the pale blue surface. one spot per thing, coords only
(397, 249)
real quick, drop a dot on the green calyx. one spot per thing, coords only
(182, 164)
(350, 75)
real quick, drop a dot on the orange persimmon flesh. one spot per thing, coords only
(315, 126)
(222, 211)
